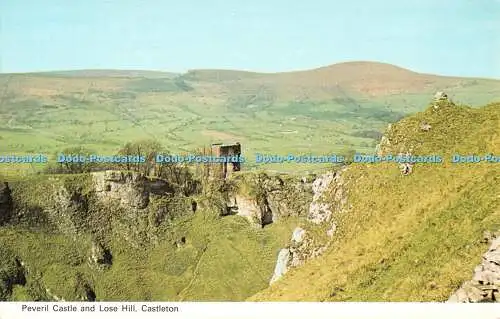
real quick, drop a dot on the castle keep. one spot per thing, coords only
(227, 150)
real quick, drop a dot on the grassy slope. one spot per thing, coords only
(224, 259)
(412, 238)
(47, 113)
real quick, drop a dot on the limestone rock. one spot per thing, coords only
(69, 209)
(424, 126)
(298, 235)
(281, 265)
(406, 168)
(384, 143)
(181, 242)
(489, 236)
(248, 208)
(330, 232)
(440, 99)
(440, 96)
(485, 283)
(292, 198)
(129, 189)
(321, 211)
(84, 289)
(271, 199)
(144, 203)
(304, 247)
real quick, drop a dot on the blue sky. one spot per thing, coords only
(449, 37)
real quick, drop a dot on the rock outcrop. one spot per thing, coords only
(281, 265)
(143, 204)
(441, 99)
(271, 199)
(396, 140)
(384, 144)
(129, 190)
(5, 203)
(302, 248)
(485, 283)
(288, 197)
(257, 213)
(321, 210)
(440, 96)
(424, 126)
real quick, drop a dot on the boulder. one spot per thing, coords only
(440, 96)
(424, 126)
(298, 235)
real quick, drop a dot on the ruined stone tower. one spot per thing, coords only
(232, 151)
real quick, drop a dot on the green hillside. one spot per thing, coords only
(163, 252)
(416, 237)
(326, 110)
(177, 233)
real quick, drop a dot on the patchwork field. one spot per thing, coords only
(335, 109)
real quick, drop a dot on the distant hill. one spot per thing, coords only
(328, 109)
(370, 78)
(108, 73)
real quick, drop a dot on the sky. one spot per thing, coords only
(447, 37)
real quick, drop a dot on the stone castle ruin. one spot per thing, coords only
(231, 151)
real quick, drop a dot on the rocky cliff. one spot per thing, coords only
(128, 203)
(129, 189)
(111, 222)
(329, 201)
(264, 199)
